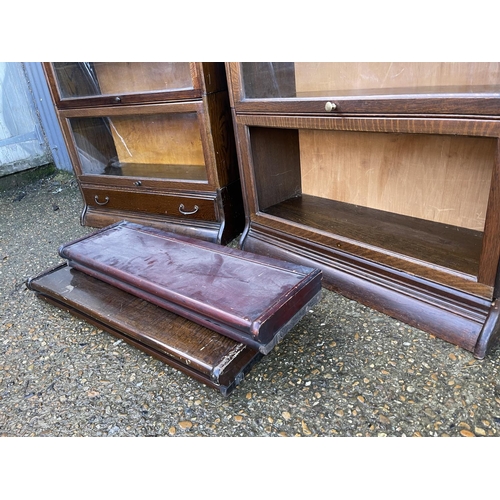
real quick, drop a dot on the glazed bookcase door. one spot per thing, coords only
(388, 88)
(164, 142)
(89, 79)
(81, 84)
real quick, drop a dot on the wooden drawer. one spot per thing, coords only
(186, 207)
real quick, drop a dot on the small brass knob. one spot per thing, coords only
(138, 183)
(330, 106)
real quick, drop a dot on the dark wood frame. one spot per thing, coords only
(453, 305)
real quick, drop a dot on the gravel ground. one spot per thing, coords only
(344, 370)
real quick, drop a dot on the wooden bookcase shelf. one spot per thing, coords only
(146, 135)
(430, 243)
(384, 175)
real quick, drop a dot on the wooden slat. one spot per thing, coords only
(403, 125)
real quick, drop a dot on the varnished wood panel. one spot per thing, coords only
(325, 241)
(490, 256)
(164, 138)
(220, 149)
(97, 217)
(211, 76)
(276, 163)
(402, 125)
(441, 178)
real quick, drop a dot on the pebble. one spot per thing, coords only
(467, 433)
(305, 429)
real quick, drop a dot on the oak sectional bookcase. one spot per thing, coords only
(383, 175)
(151, 143)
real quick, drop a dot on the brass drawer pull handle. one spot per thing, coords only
(96, 199)
(183, 212)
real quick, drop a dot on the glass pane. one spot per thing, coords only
(84, 79)
(325, 79)
(165, 146)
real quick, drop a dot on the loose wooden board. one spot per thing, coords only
(210, 358)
